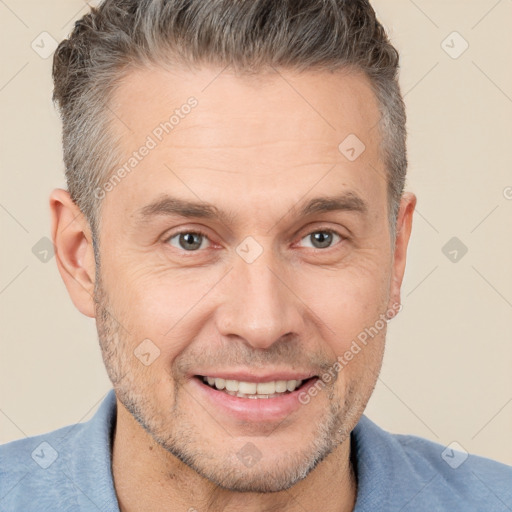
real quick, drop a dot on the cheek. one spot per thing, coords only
(156, 305)
(353, 311)
(345, 301)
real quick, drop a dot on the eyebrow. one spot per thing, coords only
(170, 206)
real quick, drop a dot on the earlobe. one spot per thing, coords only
(74, 253)
(403, 233)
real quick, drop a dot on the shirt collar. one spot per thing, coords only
(91, 447)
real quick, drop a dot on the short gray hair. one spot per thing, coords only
(250, 36)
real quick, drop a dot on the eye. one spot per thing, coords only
(192, 241)
(189, 241)
(322, 239)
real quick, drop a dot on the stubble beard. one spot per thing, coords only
(190, 443)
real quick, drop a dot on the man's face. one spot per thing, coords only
(265, 293)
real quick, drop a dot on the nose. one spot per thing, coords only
(259, 304)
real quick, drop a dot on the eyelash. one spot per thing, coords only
(203, 234)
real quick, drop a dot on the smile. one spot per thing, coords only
(255, 390)
(241, 395)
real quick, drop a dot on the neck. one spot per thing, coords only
(147, 477)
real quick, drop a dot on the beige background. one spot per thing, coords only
(447, 371)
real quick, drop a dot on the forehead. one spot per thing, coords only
(245, 140)
(311, 103)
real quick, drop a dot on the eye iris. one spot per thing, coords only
(323, 237)
(189, 241)
(190, 238)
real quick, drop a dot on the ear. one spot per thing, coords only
(403, 233)
(74, 253)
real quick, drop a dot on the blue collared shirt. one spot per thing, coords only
(70, 470)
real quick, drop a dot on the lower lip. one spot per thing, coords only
(254, 409)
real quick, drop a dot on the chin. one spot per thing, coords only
(273, 469)
(274, 476)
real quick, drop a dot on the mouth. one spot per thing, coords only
(243, 395)
(257, 389)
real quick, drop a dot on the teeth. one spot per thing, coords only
(253, 389)
(232, 385)
(291, 384)
(248, 388)
(267, 388)
(280, 386)
(219, 383)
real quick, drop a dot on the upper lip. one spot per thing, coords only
(253, 376)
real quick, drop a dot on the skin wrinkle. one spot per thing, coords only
(290, 308)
